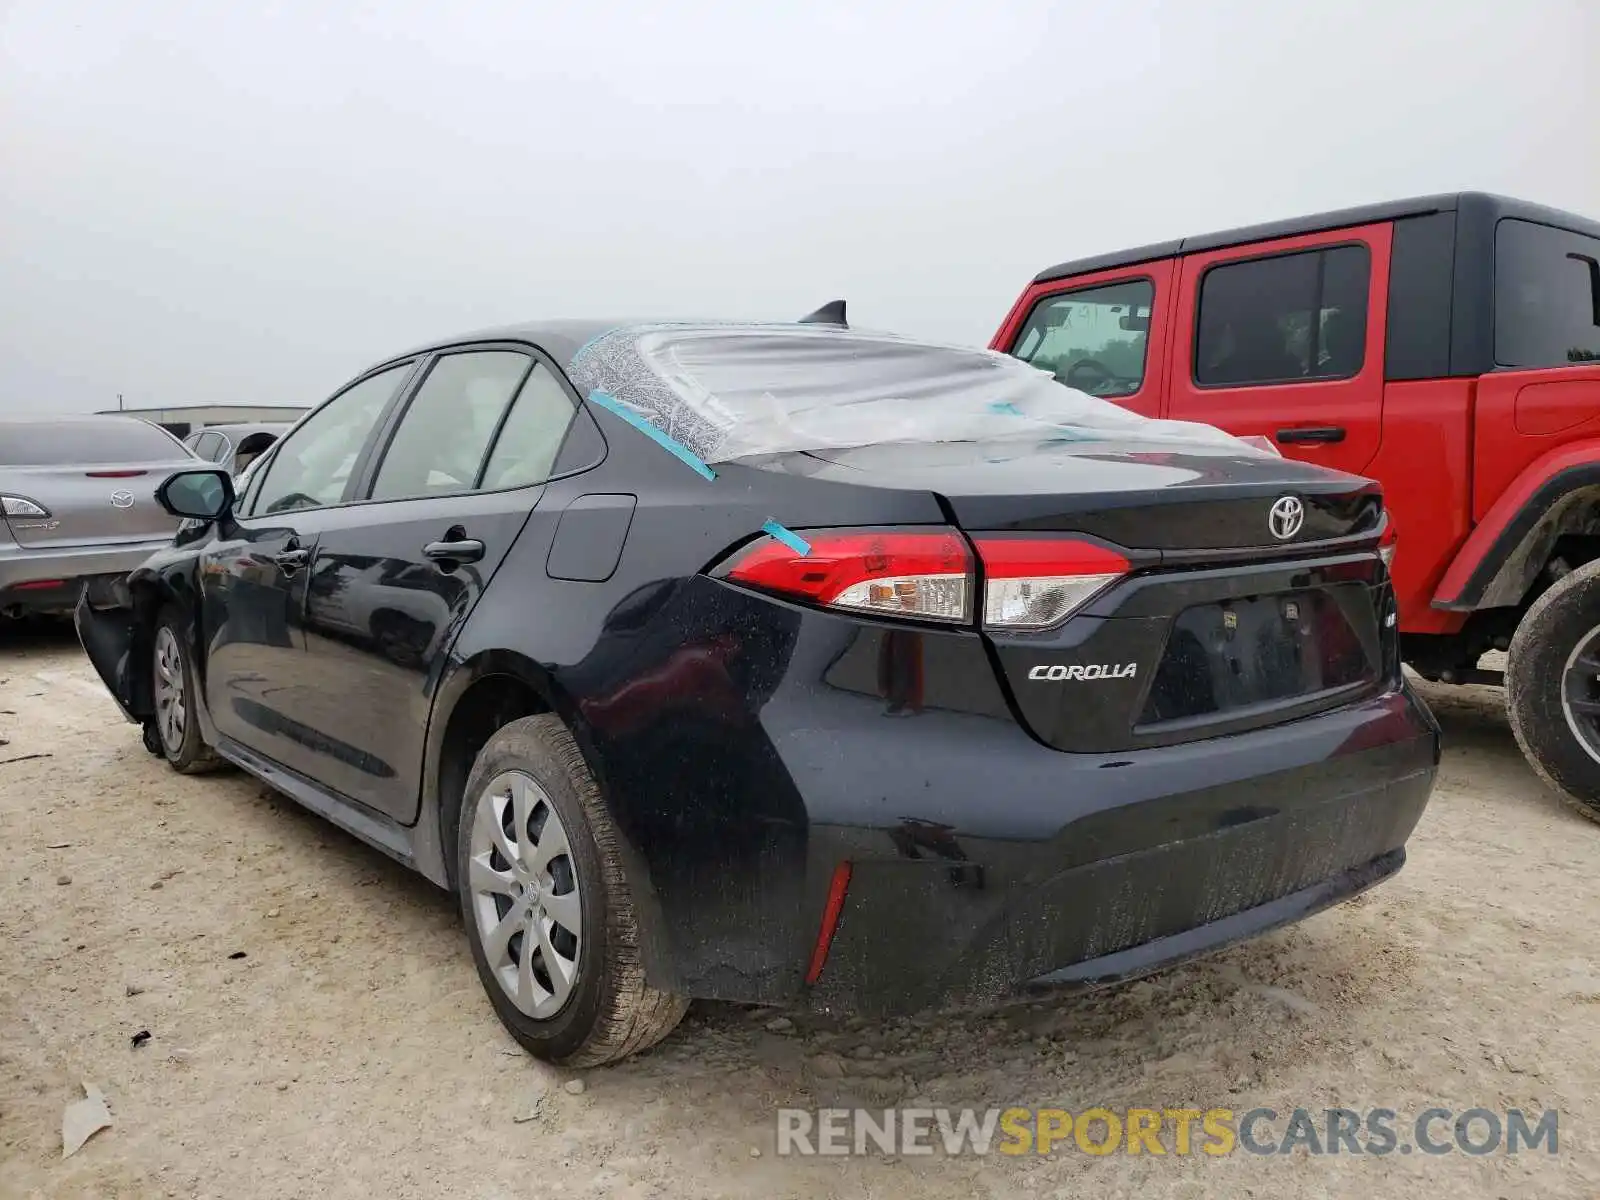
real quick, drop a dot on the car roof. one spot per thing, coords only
(244, 427)
(560, 339)
(1417, 206)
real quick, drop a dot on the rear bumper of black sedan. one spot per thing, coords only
(983, 864)
(1178, 853)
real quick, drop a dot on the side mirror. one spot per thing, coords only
(200, 495)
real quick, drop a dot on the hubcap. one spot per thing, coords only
(171, 714)
(1580, 692)
(525, 897)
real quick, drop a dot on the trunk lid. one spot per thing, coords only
(1256, 593)
(90, 504)
(1206, 499)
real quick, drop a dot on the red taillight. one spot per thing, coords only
(830, 921)
(114, 474)
(39, 585)
(1037, 582)
(920, 573)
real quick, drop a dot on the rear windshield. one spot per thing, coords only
(85, 443)
(1546, 296)
(728, 392)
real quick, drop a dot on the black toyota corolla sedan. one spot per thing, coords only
(788, 664)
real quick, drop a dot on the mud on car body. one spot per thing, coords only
(720, 669)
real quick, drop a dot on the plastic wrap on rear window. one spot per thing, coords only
(730, 392)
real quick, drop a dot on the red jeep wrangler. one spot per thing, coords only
(1448, 347)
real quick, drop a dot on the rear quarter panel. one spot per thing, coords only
(1522, 416)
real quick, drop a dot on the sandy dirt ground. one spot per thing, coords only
(350, 1051)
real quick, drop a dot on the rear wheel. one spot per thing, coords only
(548, 907)
(1553, 688)
(172, 678)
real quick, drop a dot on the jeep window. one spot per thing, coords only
(1093, 340)
(1286, 319)
(1546, 296)
(313, 464)
(440, 443)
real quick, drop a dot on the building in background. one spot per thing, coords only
(184, 421)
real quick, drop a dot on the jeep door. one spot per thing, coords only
(1286, 339)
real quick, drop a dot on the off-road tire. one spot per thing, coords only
(190, 755)
(611, 1012)
(1536, 663)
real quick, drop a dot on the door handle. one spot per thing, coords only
(291, 560)
(1312, 433)
(458, 550)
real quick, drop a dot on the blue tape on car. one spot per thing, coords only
(1005, 406)
(612, 405)
(788, 537)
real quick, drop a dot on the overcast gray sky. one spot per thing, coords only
(247, 202)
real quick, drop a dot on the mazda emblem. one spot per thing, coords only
(121, 499)
(1285, 517)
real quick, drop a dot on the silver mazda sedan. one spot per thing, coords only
(77, 506)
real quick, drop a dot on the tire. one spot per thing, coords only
(173, 688)
(1555, 628)
(599, 1008)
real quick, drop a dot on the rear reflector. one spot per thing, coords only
(114, 474)
(39, 585)
(919, 573)
(1038, 582)
(830, 921)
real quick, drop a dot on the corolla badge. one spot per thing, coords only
(1061, 671)
(1285, 517)
(121, 499)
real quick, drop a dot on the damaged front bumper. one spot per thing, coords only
(116, 640)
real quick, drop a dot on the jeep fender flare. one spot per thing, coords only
(1555, 494)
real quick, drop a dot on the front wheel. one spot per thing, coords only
(548, 907)
(174, 692)
(1553, 688)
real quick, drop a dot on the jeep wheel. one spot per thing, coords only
(548, 908)
(1553, 688)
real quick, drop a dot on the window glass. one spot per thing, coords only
(206, 446)
(1546, 296)
(1093, 340)
(531, 437)
(86, 442)
(313, 464)
(1287, 319)
(439, 445)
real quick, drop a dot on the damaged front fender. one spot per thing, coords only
(117, 642)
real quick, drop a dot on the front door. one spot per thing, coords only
(1286, 339)
(254, 576)
(394, 578)
(1104, 334)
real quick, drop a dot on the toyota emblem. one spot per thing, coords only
(1285, 517)
(121, 499)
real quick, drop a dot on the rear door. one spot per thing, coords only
(1285, 339)
(394, 578)
(1103, 333)
(87, 483)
